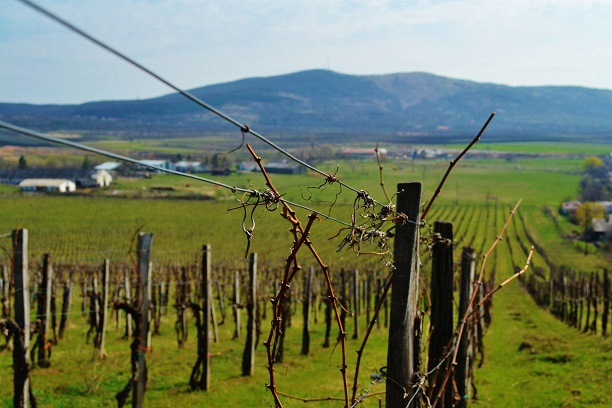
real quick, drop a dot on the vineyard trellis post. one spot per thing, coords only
(145, 241)
(464, 355)
(236, 305)
(66, 303)
(6, 291)
(441, 303)
(128, 299)
(21, 360)
(307, 306)
(401, 361)
(101, 335)
(248, 358)
(200, 374)
(44, 312)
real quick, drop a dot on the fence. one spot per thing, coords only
(139, 296)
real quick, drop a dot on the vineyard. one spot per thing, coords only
(80, 233)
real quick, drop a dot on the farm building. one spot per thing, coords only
(102, 178)
(108, 166)
(190, 167)
(47, 185)
(284, 168)
(163, 164)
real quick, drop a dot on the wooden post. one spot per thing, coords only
(66, 303)
(306, 312)
(128, 299)
(401, 365)
(21, 355)
(43, 313)
(441, 304)
(248, 357)
(356, 303)
(237, 305)
(221, 296)
(464, 357)
(6, 286)
(145, 241)
(182, 301)
(206, 314)
(103, 309)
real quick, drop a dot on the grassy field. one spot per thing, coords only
(560, 368)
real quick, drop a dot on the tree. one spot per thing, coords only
(591, 163)
(22, 163)
(587, 211)
(86, 163)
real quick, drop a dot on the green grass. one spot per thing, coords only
(543, 147)
(564, 368)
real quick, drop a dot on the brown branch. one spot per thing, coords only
(291, 260)
(452, 164)
(380, 170)
(510, 279)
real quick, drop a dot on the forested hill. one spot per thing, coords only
(405, 106)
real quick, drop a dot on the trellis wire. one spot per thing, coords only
(243, 128)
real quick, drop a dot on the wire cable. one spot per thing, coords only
(243, 128)
(79, 146)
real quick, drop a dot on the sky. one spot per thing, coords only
(193, 43)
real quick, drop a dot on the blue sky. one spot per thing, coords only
(197, 42)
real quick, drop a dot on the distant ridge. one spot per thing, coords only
(394, 107)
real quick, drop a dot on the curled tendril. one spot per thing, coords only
(329, 180)
(364, 200)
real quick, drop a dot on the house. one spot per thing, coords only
(284, 167)
(102, 178)
(190, 167)
(160, 164)
(363, 153)
(570, 207)
(108, 166)
(47, 185)
(246, 167)
(602, 228)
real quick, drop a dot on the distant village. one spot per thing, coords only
(67, 180)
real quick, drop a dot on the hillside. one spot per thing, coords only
(393, 107)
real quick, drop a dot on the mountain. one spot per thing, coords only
(393, 107)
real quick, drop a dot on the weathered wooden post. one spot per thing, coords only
(248, 357)
(208, 313)
(441, 304)
(237, 305)
(181, 306)
(145, 240)
(464, 355)
(401, 361)
(306, 312)
(103, 321)
(128, 299)
(66, 303)
(21, 356)
(6, 291)
(200, 374)
(43, 313)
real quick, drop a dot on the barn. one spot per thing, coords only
(47, 185)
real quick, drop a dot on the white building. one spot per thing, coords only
(47, 185)
(102, 178)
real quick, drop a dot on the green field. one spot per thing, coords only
(563, 368)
